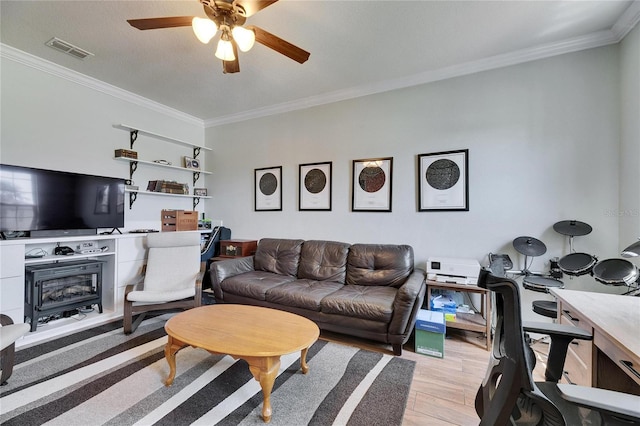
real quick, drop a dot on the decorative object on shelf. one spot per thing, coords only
(443, 181)
(126, 153)
(200, 192)
(168, 187)
(268, 189)
(315, 186)
(191, 163)
(372, 182)
(179, 220)
(164, 162)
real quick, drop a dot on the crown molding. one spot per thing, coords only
(49, 67)
(627, 21)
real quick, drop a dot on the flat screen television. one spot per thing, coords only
(37, 200)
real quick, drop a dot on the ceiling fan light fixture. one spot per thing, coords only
(244, 38)
(225, 50)
(204, 29)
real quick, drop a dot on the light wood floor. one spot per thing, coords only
(443, 389)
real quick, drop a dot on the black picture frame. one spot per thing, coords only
(443, 181)
(315, 181)
(268, 189)
(372, 183)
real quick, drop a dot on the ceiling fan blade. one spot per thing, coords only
(251, 7)
(230, 67)
(155, 23)
(280, 45)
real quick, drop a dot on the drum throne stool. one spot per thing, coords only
(529, 246)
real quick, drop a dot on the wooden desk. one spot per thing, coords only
(614, 356)
(472, 322)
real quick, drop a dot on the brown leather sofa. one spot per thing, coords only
(371, 291)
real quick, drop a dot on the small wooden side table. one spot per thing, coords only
(472, 322)
(237, 248)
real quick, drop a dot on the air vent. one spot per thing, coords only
(68, 48)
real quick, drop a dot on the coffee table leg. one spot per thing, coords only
(265, 370)
(171, 348)
(303, 361)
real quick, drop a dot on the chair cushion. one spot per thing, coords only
(323, 261)
(254, 284)
(279, 256)
(173, 261)
(305, 294)
(379, 264)
(10, 333)
(161, 296)
(367, 302)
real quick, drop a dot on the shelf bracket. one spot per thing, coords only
(196, 176)
(196, 151)
(133, 196)
(196, 201)
(133, 135)
(133, 166)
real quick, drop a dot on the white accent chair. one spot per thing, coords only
(9, 333)
(172, 279)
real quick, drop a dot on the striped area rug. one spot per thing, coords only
(102, 377)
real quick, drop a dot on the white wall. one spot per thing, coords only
(543, 140)
(53, 123)
(630, 148)
(544, 146)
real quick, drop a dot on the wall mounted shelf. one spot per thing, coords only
(134, 162)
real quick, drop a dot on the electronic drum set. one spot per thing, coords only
(615, 272)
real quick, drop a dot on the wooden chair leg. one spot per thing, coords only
(7, 358)
(137, 321)
(126, 319)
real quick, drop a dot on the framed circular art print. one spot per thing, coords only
(444, 181)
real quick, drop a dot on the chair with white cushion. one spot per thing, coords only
(172, 279)
(9, 333)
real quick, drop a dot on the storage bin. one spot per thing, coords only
(179, 220)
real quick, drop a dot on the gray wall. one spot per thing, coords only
(544, 146)
(629, 212)
(56, 119)
(549, 140)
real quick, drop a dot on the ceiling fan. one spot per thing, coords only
(228, 16)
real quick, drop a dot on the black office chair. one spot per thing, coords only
(508, 394)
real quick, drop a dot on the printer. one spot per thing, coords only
(453, 270)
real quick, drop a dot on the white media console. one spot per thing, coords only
(123, 256)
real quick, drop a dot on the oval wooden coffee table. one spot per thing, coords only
(257, 335)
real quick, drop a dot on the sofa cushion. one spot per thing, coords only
(278, 256)
(323, 261)
(305, 294)
(379, 264)
(253, 284)
(367, 302)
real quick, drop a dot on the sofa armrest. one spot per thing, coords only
(219, 271)
(407, 303)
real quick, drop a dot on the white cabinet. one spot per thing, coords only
(123, 256)
(12, 281)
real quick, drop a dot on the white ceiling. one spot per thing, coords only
(357, 47)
